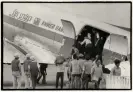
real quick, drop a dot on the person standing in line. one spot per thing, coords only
(34, 70)
(116, 71)
(43, 67)
(68, 69)
(60, 67)
(74, 51)
(97, 73)
(81, 63)
(16, 72)
(27, 71)
(86, 74)
(76, 73)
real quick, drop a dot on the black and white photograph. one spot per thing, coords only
(66, 45)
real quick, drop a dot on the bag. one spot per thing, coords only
(68, 85)
(91, 85)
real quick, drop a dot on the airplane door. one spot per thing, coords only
(68, 39)
(115, 46)
(119, 44)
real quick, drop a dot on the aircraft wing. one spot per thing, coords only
(23, 49)
(9, 51)
(41, 53)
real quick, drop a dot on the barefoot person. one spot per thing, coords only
(27, 71)
(16, 72)
(34, 70)
(86, 74)
(43, 71)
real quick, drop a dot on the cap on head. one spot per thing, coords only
(16, 55)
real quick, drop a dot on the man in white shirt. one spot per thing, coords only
(88, 44)
(86, 74)
(87, 40)
(76, 72)
(97, 73)
(60, 68)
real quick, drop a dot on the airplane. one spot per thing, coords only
(46, 33)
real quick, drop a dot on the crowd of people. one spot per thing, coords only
(82, 71)
(83, 67)
(32, 71)
(85, 64)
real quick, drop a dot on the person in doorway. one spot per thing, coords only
(60, 66)
(34, 70)
(97, 73)
(97, 38)
(87, 40)
(99, 47)
(16, 71)
(93, 37)
(116, 71)
(27, 71)
(86, 74)
(88, 44)
(43, 71)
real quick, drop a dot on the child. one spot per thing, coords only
(116, 70)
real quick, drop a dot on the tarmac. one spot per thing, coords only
(50, 78)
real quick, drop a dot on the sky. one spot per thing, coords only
(113, 13)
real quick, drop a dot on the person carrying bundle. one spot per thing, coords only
(88, 45)
(60, 67)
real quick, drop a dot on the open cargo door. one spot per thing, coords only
(115, 47)
(69, 37)
(119, 44)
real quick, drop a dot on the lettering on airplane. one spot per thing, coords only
(34, 20)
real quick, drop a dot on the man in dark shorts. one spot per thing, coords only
(34, 70)
(86, 74)
(27, 71)
(76, 73)
(16, 72)
(60, 68)
(43, 67)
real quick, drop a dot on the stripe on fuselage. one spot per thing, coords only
(34, 29)
(57, 38)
